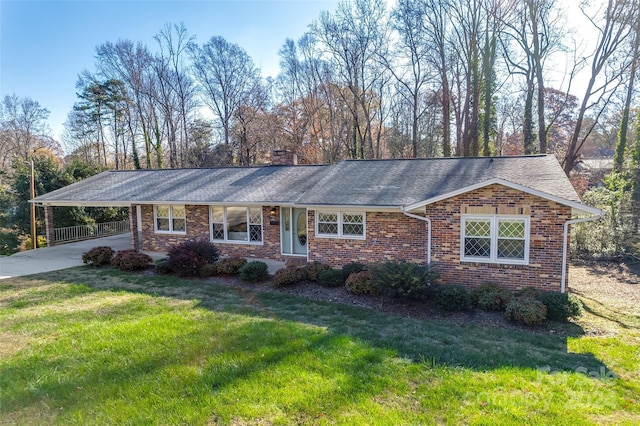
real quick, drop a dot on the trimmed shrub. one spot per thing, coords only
(162, 266)
(231, 265)
(526, 310)
(131, 260)
(186, 259)
(403, 279)
(350, 268)
(330, 278)
(98, 256)
(529, 292)
(491, 297)
(286, 276)
(254, 271)
(209, 270)
(311, 270)
(560, 306)
(360, 283)
(452, 298)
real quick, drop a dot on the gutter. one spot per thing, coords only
(565, 238)
(424, 219)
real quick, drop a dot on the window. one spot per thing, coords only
(170, 219)
(340, 225)
(495, 239)
(236, 224)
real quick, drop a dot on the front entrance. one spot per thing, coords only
(293, 224)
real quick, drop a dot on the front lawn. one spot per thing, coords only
(98, 346)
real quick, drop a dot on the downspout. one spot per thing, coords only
(425, 219)
(565, 248)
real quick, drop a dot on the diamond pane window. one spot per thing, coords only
(495, 239)
(170, 219)
(511, 229)
(353, 224)
(511, 249)
(477, 247)
(328, 228)
(236, 224)
(162, 224)
(341, 224)
(327, 223)
(218, 231)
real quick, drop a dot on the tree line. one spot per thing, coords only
(426, 78)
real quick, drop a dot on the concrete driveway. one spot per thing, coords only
(69, 255)
(57, 257)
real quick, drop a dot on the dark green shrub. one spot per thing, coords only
(452, 298)
(98, 256)
(361, 283)
(403, 279)
(131, 260)
(162, 266)
(526, 310)
(231, 265)
(529, 292)
(560, 306)
(311, 270)
(209, 270)
(286, 276)
(254, 271)
(186, 259)
(350, 268)
(491, 297)
(330, 278)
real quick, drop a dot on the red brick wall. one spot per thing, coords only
(393, 236)
(198, 227)
(390, 236)
(545, 250)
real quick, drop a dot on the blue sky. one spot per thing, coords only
(44, 45)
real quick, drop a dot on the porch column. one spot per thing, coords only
(48, 226)
(133, 225)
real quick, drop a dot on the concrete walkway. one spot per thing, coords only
(69, 255)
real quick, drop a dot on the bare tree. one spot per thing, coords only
(621, 146)
(24, 129)
(410, 66)
(353, 38)
(609, 61)
(226, 74)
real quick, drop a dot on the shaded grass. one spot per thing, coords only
(104, 347)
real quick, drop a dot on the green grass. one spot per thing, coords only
(87, 346)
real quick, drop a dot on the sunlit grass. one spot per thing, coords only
(103, 347)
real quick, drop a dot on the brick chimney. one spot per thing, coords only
(283, 157)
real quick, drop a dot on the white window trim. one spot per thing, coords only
(226, 239)
(340, 234)
(493, 234)
(170, 231)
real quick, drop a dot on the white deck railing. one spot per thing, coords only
(86, 232)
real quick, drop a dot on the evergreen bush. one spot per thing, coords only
(98, 256)
(254, 271)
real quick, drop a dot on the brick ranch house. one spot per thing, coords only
(476, 220)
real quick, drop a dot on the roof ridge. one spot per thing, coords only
(448, 158)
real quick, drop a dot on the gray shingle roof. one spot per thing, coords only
(388, 183)
(405, 182)
(272, 184)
